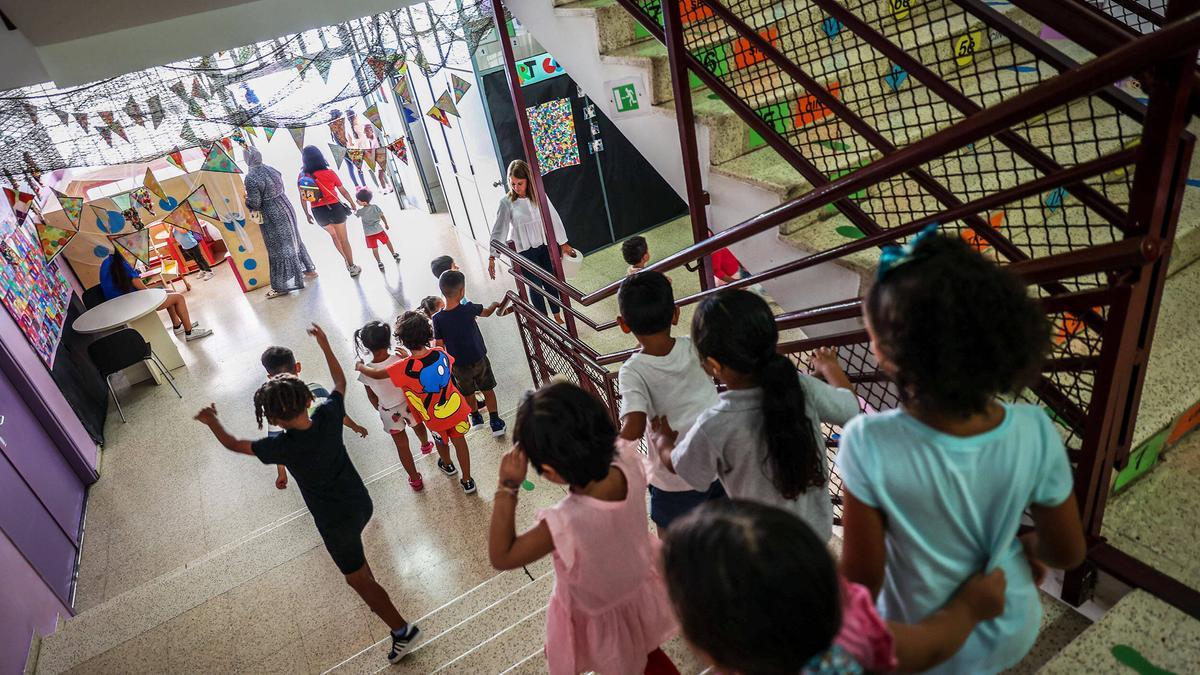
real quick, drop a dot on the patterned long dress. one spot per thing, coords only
(286, 252)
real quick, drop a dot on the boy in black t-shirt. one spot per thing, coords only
(456, 329)
(311, 448)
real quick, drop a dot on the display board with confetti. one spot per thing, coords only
(552, 126)
(33, 291)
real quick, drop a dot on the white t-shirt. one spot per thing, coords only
(675, 386)
(389, 395)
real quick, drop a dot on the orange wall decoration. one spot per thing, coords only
(810, 109)
(746, 54)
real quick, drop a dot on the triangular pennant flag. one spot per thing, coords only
(176, 160)
(250, 132)
(107, 116)
(184, 217)
(101, 214)
(62, 116)
(195, 110)
(151, 183)
(297, 136)
(401, 90)
(218, 159)
(198, 89)
(372, 113)
(141, 197)
(81, 119)
(135, 112)
(31, 111)
(188, 135)
(323, 66)
(338, 152)
(460, 85)
(179, 90)
(380, 66)
(399, 149)
(337, 129)
(122, 200)
(202, 203)
(369, 158)
(446, 103)
(439, 115)
(269, 132)
(72, 206)
(356, 157)
(381, 157)
(106, 134)
(157, 115)
(137, 244)
(52, 238)
(119, 129)
(228, 143)
(410, 115)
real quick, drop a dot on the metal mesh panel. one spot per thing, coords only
(1140, 16)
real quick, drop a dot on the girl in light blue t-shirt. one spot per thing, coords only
(934, 490)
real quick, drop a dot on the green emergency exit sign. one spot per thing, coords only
(625, 97)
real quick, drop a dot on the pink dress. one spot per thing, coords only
(864, 633)
(609, 607)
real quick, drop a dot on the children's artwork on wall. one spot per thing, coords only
(33, 291)
(52, 239)
(552, 126)
(136, 244)
(184, 217)
(71, 206)
(203, 204)
(219, 160)
(461, 87)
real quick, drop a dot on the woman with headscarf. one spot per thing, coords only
(288, 257)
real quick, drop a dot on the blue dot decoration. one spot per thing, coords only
(116, 222)
(252, 281)
(241, 249)
(250, 263)
(168, 204)
(101, 252)
(228, 225)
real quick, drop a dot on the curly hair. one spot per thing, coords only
(282, 397)
(414, 330)
(567, 429)
(958, 329)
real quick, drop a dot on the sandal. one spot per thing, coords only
(276, 294)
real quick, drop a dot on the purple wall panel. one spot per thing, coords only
(31, 528)
(28, 605)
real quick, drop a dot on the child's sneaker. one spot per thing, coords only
(380, 265)
(416, 483)
(181, 329)
(396, 257)
(468, 486)
(401, 644)
(354, 270)
(447, 468)
(498, 427)
(427, 448)
(476, 420)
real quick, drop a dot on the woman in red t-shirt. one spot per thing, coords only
(319, 187)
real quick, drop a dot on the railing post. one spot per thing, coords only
(522, 117)
(686, 122)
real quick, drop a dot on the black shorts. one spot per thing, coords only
(474, 377)
(344, 542)
(330, 214)
(666, 507)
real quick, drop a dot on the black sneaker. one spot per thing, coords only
(468, 485)
(403, 643)
(476, 420)
(498, 427)
(447, 468)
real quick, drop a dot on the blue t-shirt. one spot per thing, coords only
(106, 279)
(186, 239)
(952, 506)
(459, 329)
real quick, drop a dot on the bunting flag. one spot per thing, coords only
(297, 136)
(72, 206)
(81, 119)
(369, 158)
(338, 152)
(195, 110)
(137, 244)
(461, 87)
(198, 89)
(372, 113)
(188, 135)
(399, 149)
(380, 66)
(179, 90)
(439, 115)
(52, 238)
(250, 132)
(157, 115)
(176, 160)
(106, 134)
(356, 157)
(184, 218)
(151, 184)
(31, 111)
(62, 116)
(218, 160)
(18, 200)
(381, 157)
(118, 129)
(201, 203)
(135, 112)
(337, 129)
(410, 115)
(141, 197)
(269, 132)
(107, 116)
(122, 200)
(401, 90)
(323, 66)
(446, 103)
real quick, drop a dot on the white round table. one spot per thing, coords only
(137, 310)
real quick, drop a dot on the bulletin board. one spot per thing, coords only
(33, 291)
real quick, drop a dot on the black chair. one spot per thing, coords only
(117, 351)
(93, 296)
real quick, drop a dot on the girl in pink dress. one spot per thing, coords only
(756, 591)
(609, 610)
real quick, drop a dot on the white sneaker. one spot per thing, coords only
(180, 329)
(206, 276)
(354, 270)
(198, 333)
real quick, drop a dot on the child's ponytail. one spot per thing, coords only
(375, 335)
(736, 329)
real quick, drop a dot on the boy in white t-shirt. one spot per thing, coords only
(663, 379)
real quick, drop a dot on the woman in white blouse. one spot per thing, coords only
(519, 221)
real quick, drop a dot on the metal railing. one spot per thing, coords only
(1039, 162)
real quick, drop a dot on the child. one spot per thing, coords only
(636, 253)
(609, 610)
(375, 340)
(191, 250)
(281, 360)
(431, 304)
(763, 437)
(424, 377)
(311, 448)
(441, 264)
(756, 591)
(663, 379)
(456, 329)
(942, 481)
(375, 226)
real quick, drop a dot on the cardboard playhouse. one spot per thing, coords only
(200, 191)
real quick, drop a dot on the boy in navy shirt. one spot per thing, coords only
(456, 329)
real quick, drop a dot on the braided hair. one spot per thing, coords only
(282, 397)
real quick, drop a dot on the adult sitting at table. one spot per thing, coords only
(117, 277)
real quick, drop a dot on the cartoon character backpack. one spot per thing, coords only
(310, 190)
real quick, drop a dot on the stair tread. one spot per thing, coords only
(587, 4)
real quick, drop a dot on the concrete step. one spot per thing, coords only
(503, 649)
